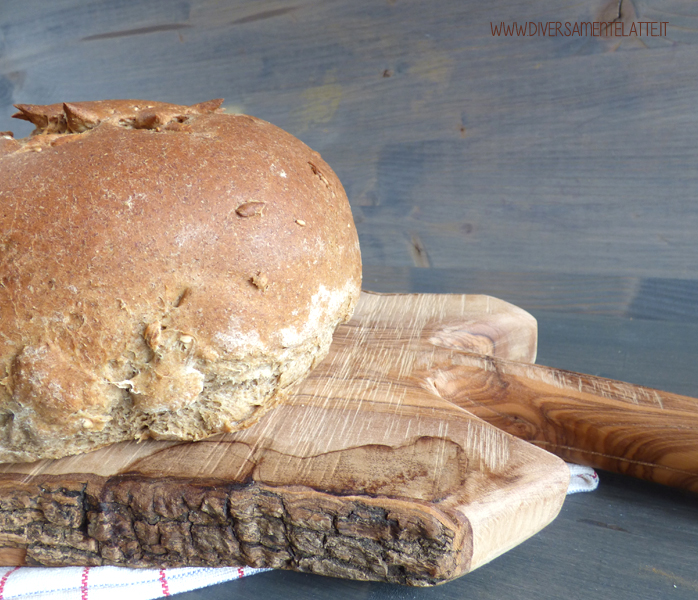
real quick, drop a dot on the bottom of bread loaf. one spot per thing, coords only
(227, 396)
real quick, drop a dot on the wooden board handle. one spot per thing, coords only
(478, 353)
(590, 420)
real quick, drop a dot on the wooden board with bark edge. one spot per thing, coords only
(365, 472)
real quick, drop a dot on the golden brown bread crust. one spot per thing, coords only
(165, 272)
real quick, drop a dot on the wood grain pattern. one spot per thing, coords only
(607, 424)
(603, 423)
(364, 473)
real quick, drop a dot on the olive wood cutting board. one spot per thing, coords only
(364, 472)
(376, 467)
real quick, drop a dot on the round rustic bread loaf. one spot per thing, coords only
(166, 272)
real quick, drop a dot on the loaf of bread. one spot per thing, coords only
(166, 272)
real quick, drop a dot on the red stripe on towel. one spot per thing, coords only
(3, 581)
(163, 582)
(83, 583)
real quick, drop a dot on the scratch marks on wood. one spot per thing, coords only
(567, 382)
(137, 31)
(598, 386)
(381, 373)
(427, 469)
(487, 445)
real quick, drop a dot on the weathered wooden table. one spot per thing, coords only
(558, 173)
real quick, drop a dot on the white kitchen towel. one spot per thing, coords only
(109, 583)
(117, 583)
(582, 479)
